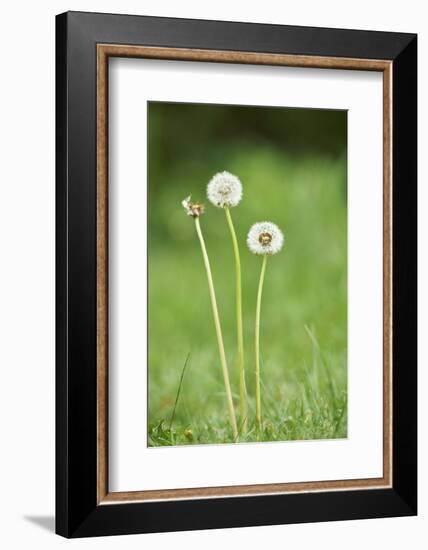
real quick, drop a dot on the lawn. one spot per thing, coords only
(304, 306)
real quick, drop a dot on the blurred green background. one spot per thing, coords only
(292, 164)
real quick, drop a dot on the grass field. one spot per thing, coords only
(304, 307)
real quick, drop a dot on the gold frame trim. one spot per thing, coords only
(104, 51)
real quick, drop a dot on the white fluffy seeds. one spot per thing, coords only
(224, 189)
(265, 238)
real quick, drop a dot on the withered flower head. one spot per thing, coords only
(194, 209)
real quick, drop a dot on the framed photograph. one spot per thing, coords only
(236, 274)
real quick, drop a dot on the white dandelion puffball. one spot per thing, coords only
(224, 189)
(265, 238)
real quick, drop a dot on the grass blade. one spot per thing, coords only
(179, 390)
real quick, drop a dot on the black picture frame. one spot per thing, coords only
(78, 513)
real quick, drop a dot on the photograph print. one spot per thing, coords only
(247, 274)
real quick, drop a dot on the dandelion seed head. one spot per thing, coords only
(224, 189)
(194, 209)
(265, 238)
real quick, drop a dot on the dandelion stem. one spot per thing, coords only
(257, 346)
(218, 331)
(239, 329)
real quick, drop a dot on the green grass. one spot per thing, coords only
(316, 409)
(304, 307)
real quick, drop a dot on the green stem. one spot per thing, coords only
(218, 331)
(239, 329)
(257, 346)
